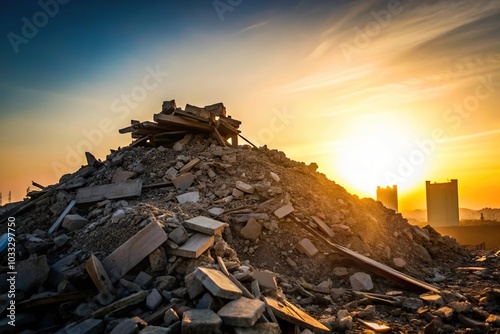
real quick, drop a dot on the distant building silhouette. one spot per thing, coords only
(388, 196)
(442, 203)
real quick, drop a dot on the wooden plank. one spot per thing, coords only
(233, 279)
(205, 225)
(54, 299)
(158, 315)
(99, 275)
(323, 227)
(189, 115)
(289, 312)
(248, 141)
(157, 185)
(182, 123)
(194, 247)
(118, 190)
(372, 265)
(134, 250)
(61, 217)
(126, 130)
(122, 303)
(377, 327)
(221, 140)
(38, 185)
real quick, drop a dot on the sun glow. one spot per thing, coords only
(372, 151)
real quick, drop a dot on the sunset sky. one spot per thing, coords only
(374, 92)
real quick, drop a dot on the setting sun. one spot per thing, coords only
(373, 147)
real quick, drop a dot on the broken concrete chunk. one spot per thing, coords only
(252, 230)
(130, 286)
(164, 283)
(191, 197)
(153, 300)
(274, 176)
(340, 271)
(266, 279)
(246, 188)
(179, 235)
(126, 326)
(201, 322)
(218, 283)
(344, 320)
(184, 181)
(122, 175)
(143, 279)
(461, 307)
(215, 212)
(170, 316)
(361, 282)
(341, 228)
(205, 225)
(89, 326)
(170, 174)
(193, 285)
(323, 227)
(259, 328)
(61, 240)
(74, 222)
(237, 193)
(243, 312)
(217, 109)
(168, 107)
(194, 247)
(31, 273)
(284, 210)
(158, 259)
(207, 302)
(399, 262)
(201, 112)
(155, 330)
(412, 304)
(305, 246)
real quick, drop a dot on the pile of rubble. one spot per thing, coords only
(173, 123)
(193, 236)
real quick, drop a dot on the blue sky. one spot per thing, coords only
(351, 85)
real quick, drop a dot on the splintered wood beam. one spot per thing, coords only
(134, 250)
(289, 312)
(61, 217)
(219, 137)
(182, 123)
(372, 265)
(38, 185)
(99, 275)
(118, 190)
(189, 115)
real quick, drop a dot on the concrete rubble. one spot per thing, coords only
(184, 232)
